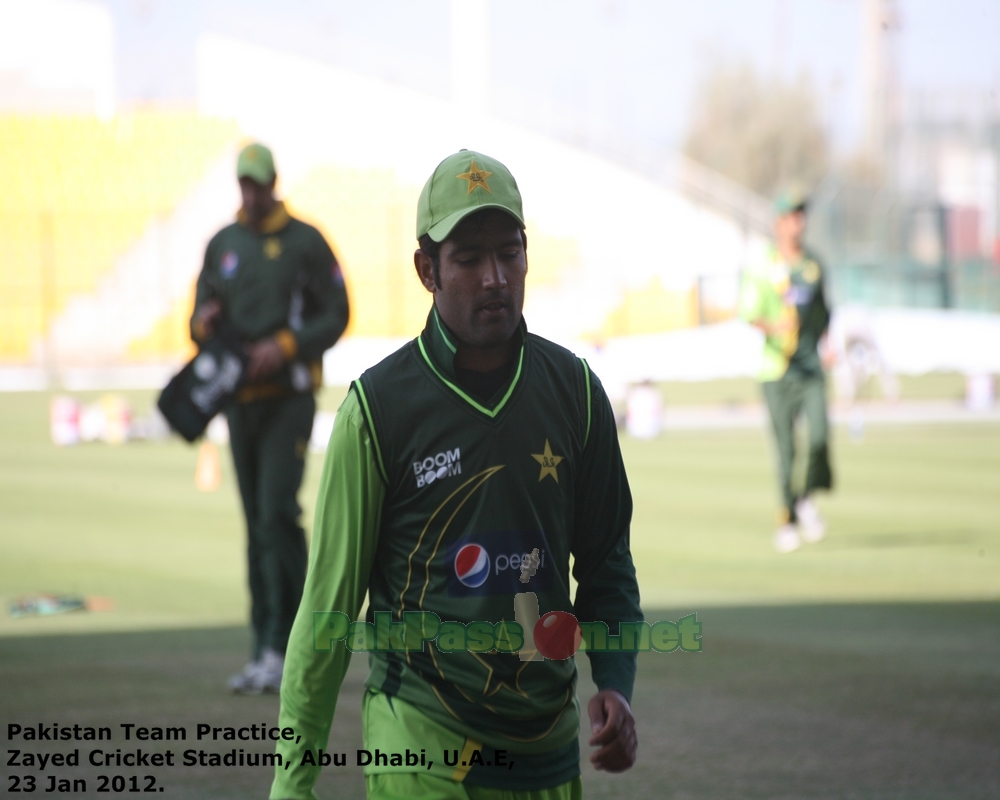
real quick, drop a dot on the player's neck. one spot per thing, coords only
(256, 218)
(790, 250)
(484, 359)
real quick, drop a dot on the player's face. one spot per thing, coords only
(482, 269)
(258, 199)
(791, 227)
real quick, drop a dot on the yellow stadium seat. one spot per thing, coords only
(77, 192)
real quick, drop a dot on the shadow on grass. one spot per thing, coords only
(867, 700)
(890, 540)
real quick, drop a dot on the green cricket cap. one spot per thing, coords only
(791, 200)
(257, 163)
(462, 184)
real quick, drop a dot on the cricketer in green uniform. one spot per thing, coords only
(783, 295)
(275, 284)
(449, 462)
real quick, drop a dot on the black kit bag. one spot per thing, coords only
(205, 385)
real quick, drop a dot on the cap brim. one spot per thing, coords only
(261, 176)
(790, 205)
(440, 230)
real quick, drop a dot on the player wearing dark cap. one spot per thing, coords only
(471, 446)
(273, 282)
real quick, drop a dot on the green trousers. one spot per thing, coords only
(786, 398)
(269, 439)
(416, 786)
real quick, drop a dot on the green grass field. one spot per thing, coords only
(741, 391)
(866, 666)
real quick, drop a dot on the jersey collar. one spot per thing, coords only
(437, 347)
(777, 259)
(273, 222)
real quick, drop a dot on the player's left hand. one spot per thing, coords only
(266, 358)
(613, 729)
(827, 353)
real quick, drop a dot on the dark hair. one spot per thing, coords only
(432, 250)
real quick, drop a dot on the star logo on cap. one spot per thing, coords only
(476, 177)
(549, 463)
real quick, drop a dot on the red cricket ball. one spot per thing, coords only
(557, 635)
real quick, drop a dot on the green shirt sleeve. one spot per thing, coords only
(607, 590)
(345, 535)
(822, 301)
(326, 311)
(753, 295)
(204, 289)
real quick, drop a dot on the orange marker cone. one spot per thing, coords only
(208, 472)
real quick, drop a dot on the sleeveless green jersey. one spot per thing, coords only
(465, 488)
(466, 498)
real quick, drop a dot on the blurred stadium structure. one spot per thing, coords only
(929, 235)
(90, 218)
(922, 226)
(105, 213)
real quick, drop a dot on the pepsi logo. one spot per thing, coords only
(472, 565)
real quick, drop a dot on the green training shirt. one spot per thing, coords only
(428, 500)
(774, 291)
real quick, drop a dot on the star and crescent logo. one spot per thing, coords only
(476, 177)
(549, 463)
(272, 247)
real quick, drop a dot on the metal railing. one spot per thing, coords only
(675, 171)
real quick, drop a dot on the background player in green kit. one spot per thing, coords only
(450, 460)
(272, 282)
(783, 295)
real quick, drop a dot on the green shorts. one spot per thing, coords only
(408, 751)
(417, 786)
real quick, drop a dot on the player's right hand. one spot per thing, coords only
(776, 328)
(206, 317)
